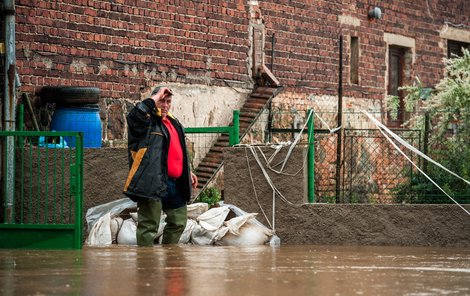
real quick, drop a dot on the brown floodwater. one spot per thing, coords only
(258, 270)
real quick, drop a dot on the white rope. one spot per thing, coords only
(279, 147)
(326, 124)
(382, 128)
(274, 211)
(297, 138)
(271, 167)
(254, 190)
(407, 145)
(268, 165)
(268, 179)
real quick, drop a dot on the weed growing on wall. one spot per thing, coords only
(210, 196)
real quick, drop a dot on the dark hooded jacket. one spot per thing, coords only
(148, 143)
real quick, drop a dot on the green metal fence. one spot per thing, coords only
(232, 130)
(43, 206)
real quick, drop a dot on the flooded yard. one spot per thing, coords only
(260, 270)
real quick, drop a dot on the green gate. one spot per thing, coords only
(42, 190)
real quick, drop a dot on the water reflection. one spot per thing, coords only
(261, 270)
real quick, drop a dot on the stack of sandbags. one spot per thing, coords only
(226, 225)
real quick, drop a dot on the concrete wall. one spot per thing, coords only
(339, 224)
(342, 224)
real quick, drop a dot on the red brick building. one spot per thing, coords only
(126, 47)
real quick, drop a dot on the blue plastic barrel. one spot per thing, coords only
(79, 119)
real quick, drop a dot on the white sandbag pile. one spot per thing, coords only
(116, 223)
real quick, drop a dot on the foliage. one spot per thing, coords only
(448, 108)
(326, 199)
(210, 196)
(450, 102)
(415, 94)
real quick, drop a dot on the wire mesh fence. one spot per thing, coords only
(366, 167)
(372, 167)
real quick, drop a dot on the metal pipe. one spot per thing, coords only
(270, 115)
(273, 41)
(268, 133)
(339, 121)
(311, 157)
(9, 107)
(426, 141)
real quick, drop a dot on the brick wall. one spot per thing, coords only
(307, 34)
(128, 46)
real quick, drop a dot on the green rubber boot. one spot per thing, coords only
(175, 224)
(148, 217)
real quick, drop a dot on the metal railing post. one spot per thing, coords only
(311, 157)
(234, 137)
(79, 192)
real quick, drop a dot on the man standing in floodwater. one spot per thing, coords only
(159, 177)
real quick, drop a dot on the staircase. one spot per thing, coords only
(249, 113)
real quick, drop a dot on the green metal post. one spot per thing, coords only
(311, 158)
(235, 135)
(20, 127)
(79, 193)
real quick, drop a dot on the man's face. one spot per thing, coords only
(164, 103)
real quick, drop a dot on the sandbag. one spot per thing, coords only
(127, 234)
(100, 233)
(134, 216)
(196, 209)
(115, 226)
(201, 236)
(250, 234)
(236, 223)
(213, 218)
(114, 208)
(161, 226)
(186, 236)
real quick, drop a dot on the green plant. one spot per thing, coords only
(327, 199)
(210, 196)
(448, 109)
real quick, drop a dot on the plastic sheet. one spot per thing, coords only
(113, 208)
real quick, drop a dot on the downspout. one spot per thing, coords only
(339, 123)
(9, 107)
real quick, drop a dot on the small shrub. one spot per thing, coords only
(210, 196)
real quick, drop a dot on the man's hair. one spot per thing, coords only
(155, 90)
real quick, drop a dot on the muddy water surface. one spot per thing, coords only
(193, 270)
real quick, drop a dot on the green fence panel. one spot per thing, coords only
(44, 209)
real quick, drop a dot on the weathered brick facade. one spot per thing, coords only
(125, 47)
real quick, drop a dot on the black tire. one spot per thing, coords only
(70, 95)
